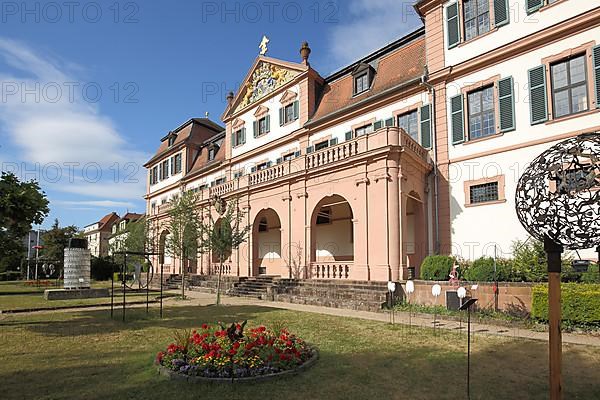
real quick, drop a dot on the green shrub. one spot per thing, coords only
(102, 268)
(530, 262)
(10, 276)
(482, 270)
(592, 275)
(436, 268)
(580, 303)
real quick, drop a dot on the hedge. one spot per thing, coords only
(10, 276)
(580, 303)
(482, 270)
(436, 268)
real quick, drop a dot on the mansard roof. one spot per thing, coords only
(193, 131)
(201, 162)
(397, 64)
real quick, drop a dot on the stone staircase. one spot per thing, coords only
(174, 282)
(353, 295)
(259, 287)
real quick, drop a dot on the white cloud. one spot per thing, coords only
(110, 204)
(54, 124)
(370, 25)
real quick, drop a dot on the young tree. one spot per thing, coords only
(184, 227)
(55, 240)
(224, 235)
(21, 205)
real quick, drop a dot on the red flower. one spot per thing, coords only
(172, 348)
(289, 343)
(159, 357)
(282, 357)
(236, 345)
(232, 352)
(204, 326)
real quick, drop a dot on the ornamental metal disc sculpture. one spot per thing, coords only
(133, 267)
(558, 195)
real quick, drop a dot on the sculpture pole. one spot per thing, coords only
(554, 251)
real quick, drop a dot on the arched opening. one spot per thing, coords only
(266, 244)
(414, 242)
(332, 241)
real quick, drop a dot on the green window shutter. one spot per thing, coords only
(596, 61)
(279, 160)
(268, 123)
(389, 122)
(453, 25)
(333, 142)
(281, 116)
(310, 149)
(538, 101)
(501, 12)
(506, 104)
(243, 136)
(457, 116)
(378, 125)
(426, 126)
(296, 110)
(348, 135)
(253, 170)
(533, 5)
(297, 154)
(233, 143)
(255, 128)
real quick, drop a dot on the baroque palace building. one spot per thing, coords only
(415, 149)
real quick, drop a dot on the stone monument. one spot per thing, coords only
(77, 275)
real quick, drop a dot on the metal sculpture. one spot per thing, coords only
(558, 202)
(558, 195)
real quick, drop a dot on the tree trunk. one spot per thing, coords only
(181, 261)
(219, 281)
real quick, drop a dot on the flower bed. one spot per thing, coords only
(217, 353)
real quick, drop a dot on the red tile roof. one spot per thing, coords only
(400, 66)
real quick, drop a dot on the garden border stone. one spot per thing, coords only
(174, 375)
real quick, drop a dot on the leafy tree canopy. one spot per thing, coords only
(55, 240)
(21, 205)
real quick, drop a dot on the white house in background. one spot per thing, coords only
(98, 233)
(119, 231)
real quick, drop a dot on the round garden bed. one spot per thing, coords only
(215, 353)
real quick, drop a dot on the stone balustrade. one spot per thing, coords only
(331, 270)
(384, 137)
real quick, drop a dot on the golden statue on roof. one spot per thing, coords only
(263, 45)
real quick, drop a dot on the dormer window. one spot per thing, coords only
(172, 139)
(363, 78)
(212, 152)
(361, 83)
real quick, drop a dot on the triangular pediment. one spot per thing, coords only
(266, 76)
(288, 97)
(260, 111)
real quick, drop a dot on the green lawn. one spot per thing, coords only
(21, 287)
(31, 301)
(86, 355)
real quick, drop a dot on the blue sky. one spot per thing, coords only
(88, 88)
